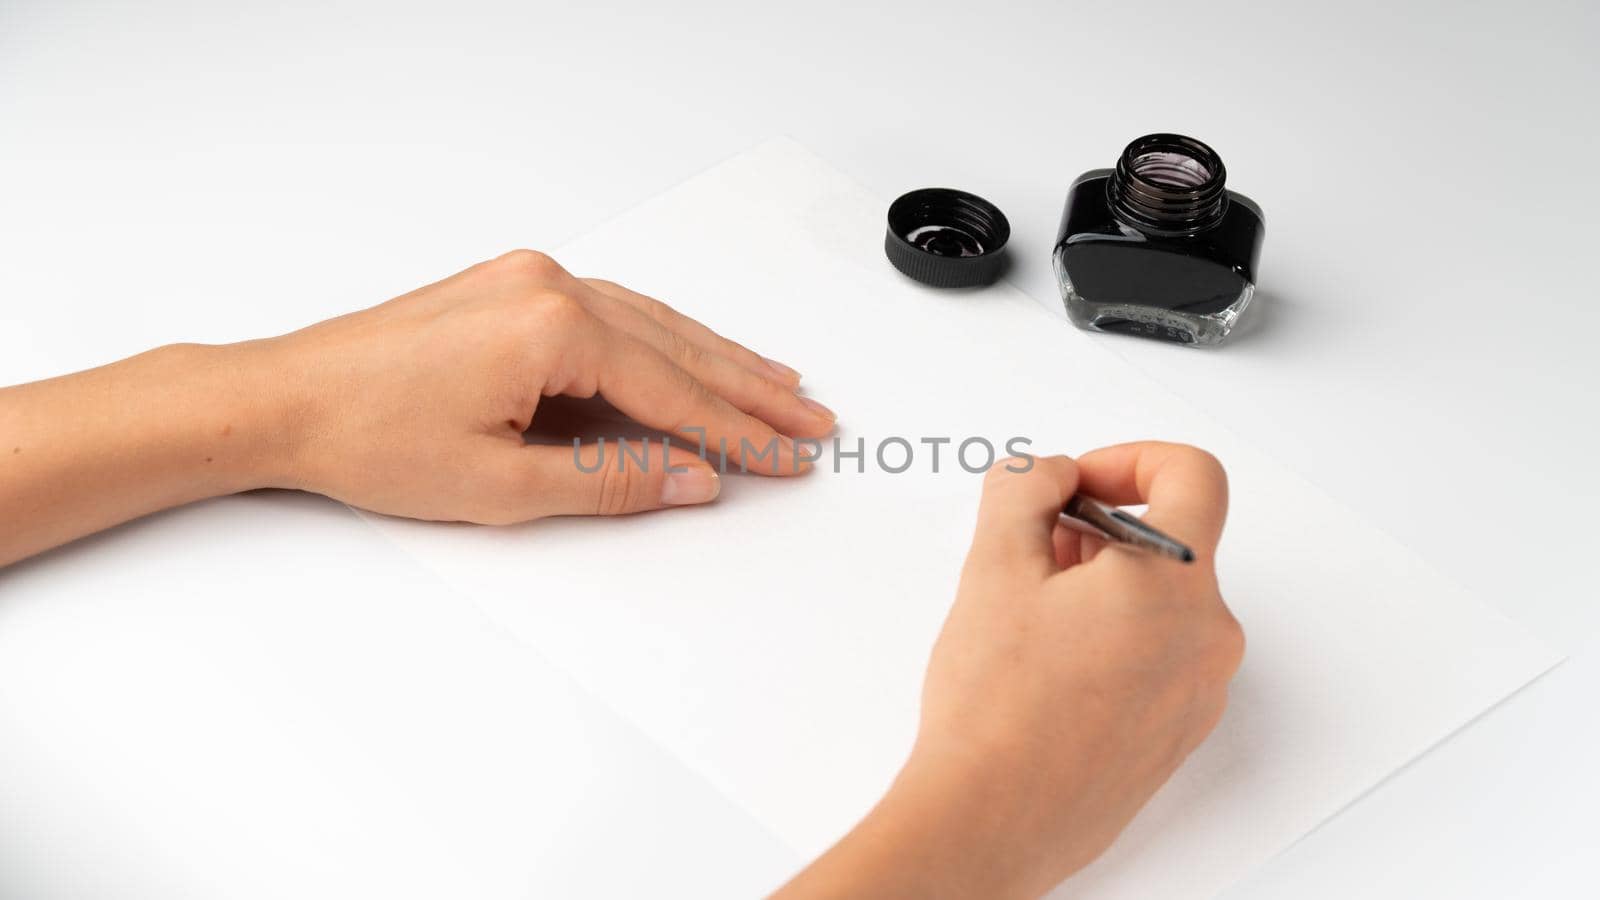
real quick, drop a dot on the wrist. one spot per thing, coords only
(939, 832)
(962, 811)
(171, 426)
(243, 416)
(1008, 826)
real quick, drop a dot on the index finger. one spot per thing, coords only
(641, 382)
(1185, 487)
(1022, 499)
(693, 331)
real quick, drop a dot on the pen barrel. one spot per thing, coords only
(1092, 512)
(1123, 527)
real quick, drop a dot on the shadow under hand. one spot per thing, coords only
(560, 419)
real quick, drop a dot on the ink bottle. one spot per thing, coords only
(1158, 247)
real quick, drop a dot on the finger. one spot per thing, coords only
(697, 334)
(641, 382)
(1022, 500)
(1185, 487)
(603, 479)
(1074, 546)
(766, 399)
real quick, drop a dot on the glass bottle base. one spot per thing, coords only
(1171, 325)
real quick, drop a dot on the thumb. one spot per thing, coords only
(612, 478)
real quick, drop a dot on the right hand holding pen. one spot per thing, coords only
(1084, 672)
(1070, 681)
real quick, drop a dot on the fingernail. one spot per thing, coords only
(698, 485)
(783, 371)
(819, 409)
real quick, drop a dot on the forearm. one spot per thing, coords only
(946, 829)
(180, 423)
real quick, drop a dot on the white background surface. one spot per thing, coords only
(194, 171)
(794, 688)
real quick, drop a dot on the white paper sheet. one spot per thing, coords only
(776, 640)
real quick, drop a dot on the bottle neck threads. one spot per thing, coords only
(1168, 185)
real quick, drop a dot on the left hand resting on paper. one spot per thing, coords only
(415, 407)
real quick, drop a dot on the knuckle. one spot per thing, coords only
(1031, 472)
(696, 407)
(531, 264)
(659, 311)
(558, 309)
(1004, 471)
(1205, 460)
(1227, 643)
(685, 354)
(769, 393)
(620, 486)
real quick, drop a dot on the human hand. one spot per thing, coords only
(1070, 680)
(417, 406)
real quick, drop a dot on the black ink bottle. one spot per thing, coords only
(1157, 247)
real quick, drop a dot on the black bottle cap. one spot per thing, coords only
(947, 238)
